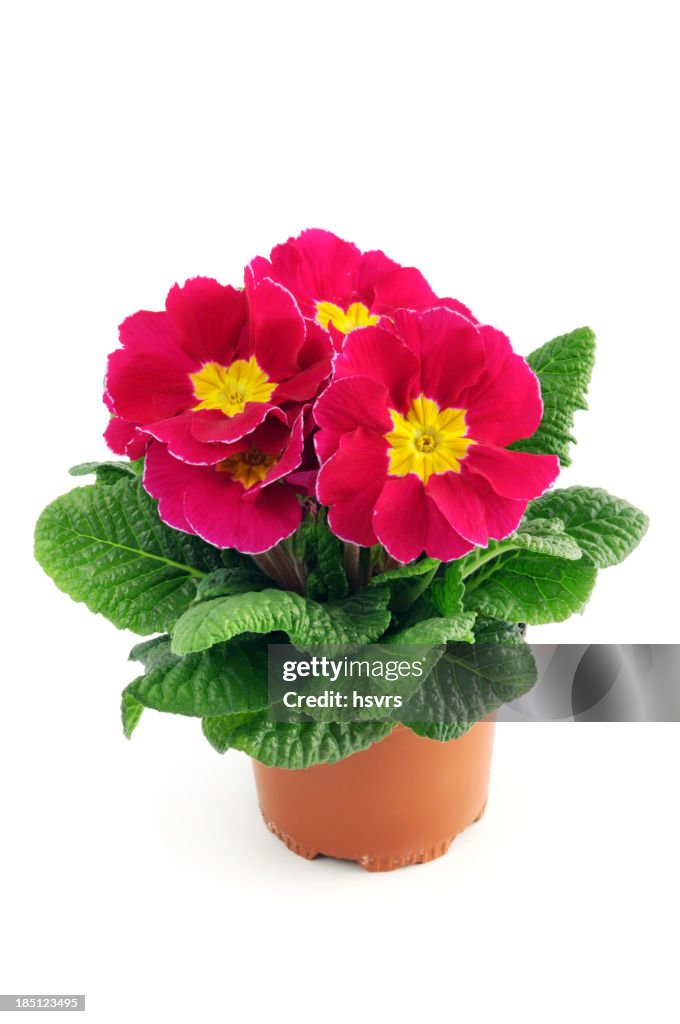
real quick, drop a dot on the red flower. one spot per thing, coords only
(245, 500)
(413, 436)
(211, 368)
(341, 288)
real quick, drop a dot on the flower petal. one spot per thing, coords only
(216, 508)
(407, 521)
(177, 434)
(352, 402)
(400, 520)
(144, 385)
(209, 503)
(450, 350)
(350, 484)
(124, 438)
(377, 353)
(406, 288)
(291, 455)
(460, 504)
(315, 266)
(513, 474)
(373, 268)
(277, 328)
(315, 361)
(154, 334)
(209, 318)
(326, 443)
(443, 542)
(214, 426)
(166, 478)
(304, 482)
(504, 404)
(503, 515)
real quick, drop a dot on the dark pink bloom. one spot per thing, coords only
(341, 288)
(211, 368)
(414, 431)
(245, 500)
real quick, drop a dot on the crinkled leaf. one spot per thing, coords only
(542, 536)
(545, 537)
(407, 582)
(495, 631)
(153, 653)
(239, 579)
(108, 472)
(523, 586)
(468, 683)
(327, 579)
(446, 592)
(436, 631)
(606, 528)
(225, 680)
(419, 611)
(130, 713)
(357, 620)
(421, 568)
(563, 367)
(107, 547)
(293, 744)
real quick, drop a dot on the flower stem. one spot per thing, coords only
(351, 558)
(482, 559)
(280, 566)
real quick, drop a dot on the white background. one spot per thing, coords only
(524, 157)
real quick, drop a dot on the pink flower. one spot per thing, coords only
(414, 431)
(246, 500)
(211, 368)
(341, 288)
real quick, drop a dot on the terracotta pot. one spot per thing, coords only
(401, 801)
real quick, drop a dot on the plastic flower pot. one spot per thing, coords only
(401, 801)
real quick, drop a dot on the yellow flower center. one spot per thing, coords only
(344, 320)
(230, 388)
(247, 467)
(428, 440)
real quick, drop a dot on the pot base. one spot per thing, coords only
(401, 801)
(368, 862)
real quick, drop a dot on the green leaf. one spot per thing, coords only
(108, 472)
(407, 582)
(446, 592)
(357, 620)
(563, 367)
(327, 579)
(606, 528)
(293, 744)
(153, 653)
(410, 569)
(227, 679)
(495, 631)
(239, 579)
(542, 536)
(107, 547)
(436, 631)
(545, 537)
(468, 683)
(523, 586)
(130, 712)
(420, 611)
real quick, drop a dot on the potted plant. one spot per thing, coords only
(335, 454)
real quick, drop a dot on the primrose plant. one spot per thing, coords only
(330, 454)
